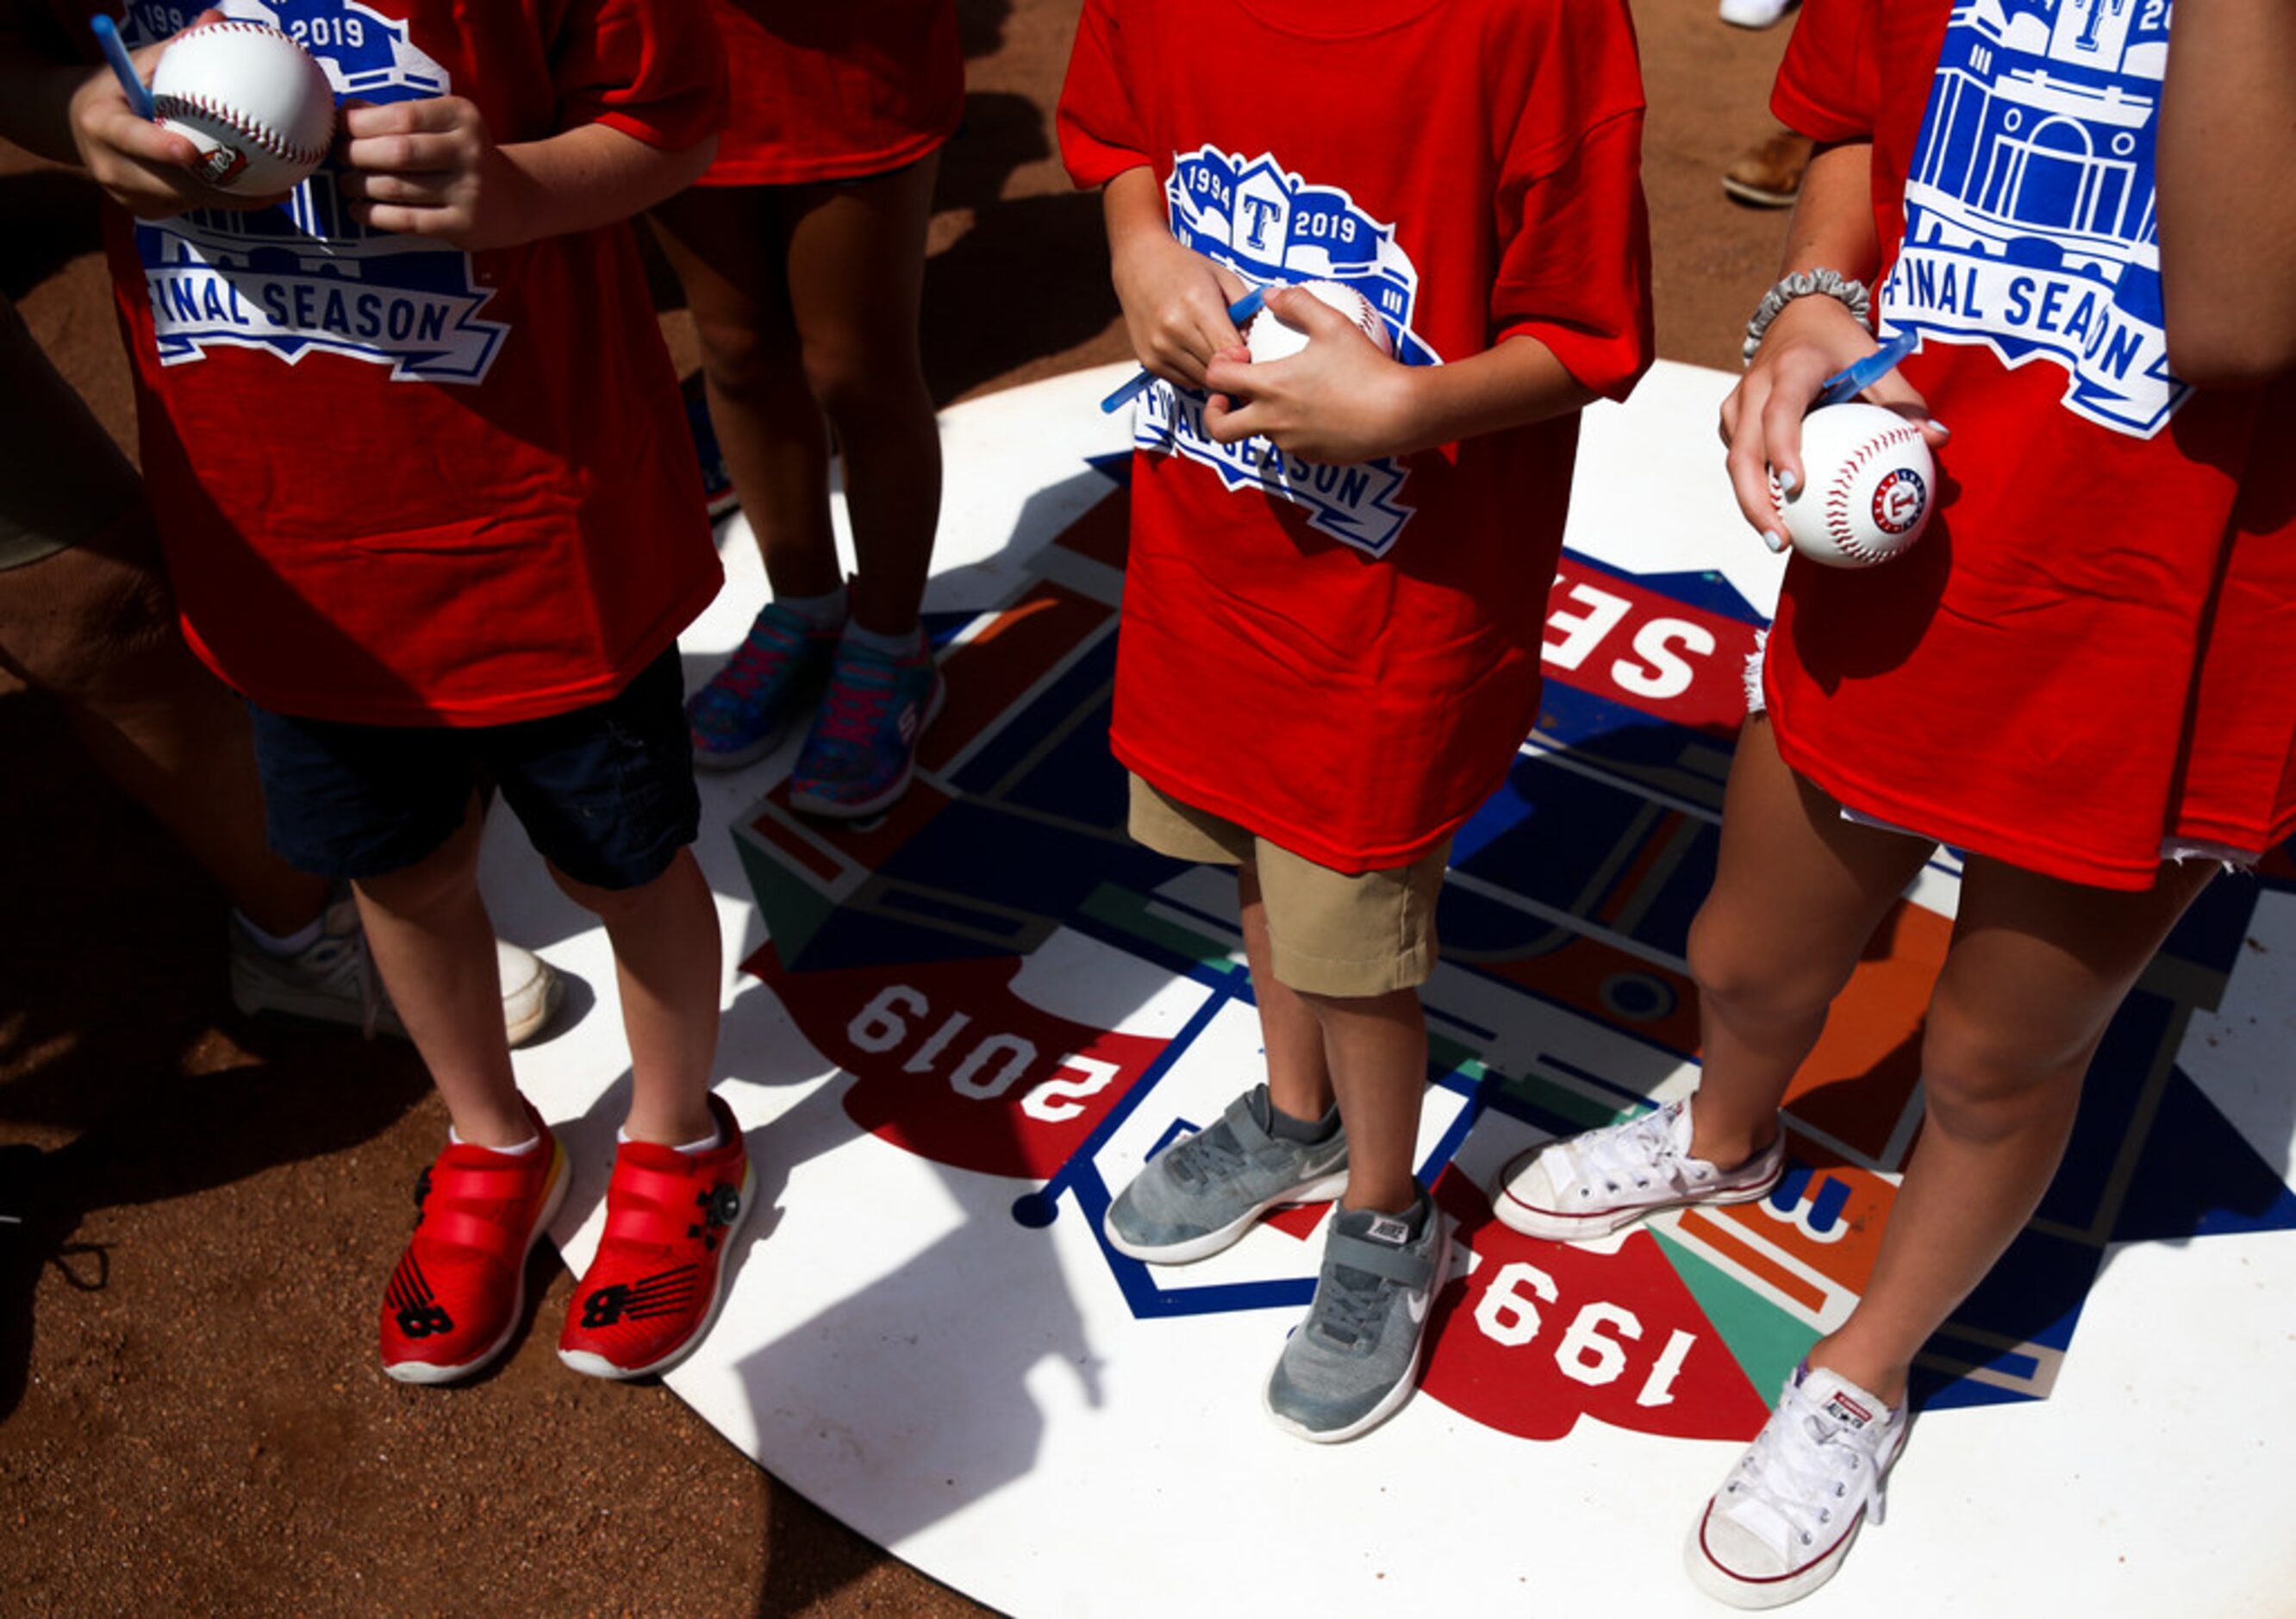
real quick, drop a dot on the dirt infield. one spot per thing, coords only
(190, 1416)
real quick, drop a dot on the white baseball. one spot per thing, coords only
(1868, 487)
(255, 103)
(1269, 337)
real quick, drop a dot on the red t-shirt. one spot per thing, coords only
(2092, 653)
(399, 483)
(1345, 658)
(835, 91)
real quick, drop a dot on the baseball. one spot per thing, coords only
(1868, 485)
(1271, 339)
(254, 102)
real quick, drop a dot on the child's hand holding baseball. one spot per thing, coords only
(146, 168)
(1337, 401)
(431, 168)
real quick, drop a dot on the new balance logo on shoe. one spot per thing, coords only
(657, 1295)
(425, 1321)
(412, 1302)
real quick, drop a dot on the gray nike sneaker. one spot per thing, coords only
(1353, 1362)
(1200, 1194)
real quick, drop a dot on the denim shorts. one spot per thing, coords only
(606, 793)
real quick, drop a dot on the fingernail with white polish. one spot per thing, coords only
(1788, 483)
(1773, 539)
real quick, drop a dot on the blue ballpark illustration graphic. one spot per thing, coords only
(2029, 218)
(304, 277)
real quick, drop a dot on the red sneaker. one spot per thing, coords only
(460, 1286)
(654, 1287)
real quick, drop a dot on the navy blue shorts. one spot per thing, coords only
(606, 793)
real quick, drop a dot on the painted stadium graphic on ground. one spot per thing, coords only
(2029, 220)
(959, 1031)
(975, 960)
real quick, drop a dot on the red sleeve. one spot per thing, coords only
(1829, 85)
(1575, 259)
(651, 69)
(1100, 131)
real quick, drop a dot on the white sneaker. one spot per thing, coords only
(1755, 13)
(1781, 1524)
(1590, 1186)
(333, 980)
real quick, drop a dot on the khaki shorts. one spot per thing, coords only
(1332, 934)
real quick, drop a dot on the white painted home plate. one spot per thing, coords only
(952, 1035)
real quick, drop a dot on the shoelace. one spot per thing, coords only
(764, 652)
(1351, 1305)
(1209, 1154)
(1633, 1156)
(1808, 1472)
(854, 710)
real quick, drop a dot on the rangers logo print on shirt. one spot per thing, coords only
(304, 276)
(2029, 220)
(1271, 226)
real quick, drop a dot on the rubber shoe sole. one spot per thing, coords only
(1734, 1591)
(428, 1374)
(1325, 1190)
(597, 1366)
(735, 759)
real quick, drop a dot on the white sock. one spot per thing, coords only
(522, 1148)
(827, 611)
(290, 944)
(709, 1143)
(907, 644)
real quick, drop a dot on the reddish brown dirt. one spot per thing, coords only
(189, 1414)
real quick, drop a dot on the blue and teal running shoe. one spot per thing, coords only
(862, 749)
(774, 677)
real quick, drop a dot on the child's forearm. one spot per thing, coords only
(1833, 223)
(594, 175)
(1175, 301)
(431, 168)
(2228, 143)
(1512, 385)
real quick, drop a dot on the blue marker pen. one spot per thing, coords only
(1241, 310)
(107, 35)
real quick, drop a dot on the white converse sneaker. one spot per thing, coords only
(333, 980)
(1592, 1184)
(1783, 1520)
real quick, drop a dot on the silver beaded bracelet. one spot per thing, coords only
(1801, 283)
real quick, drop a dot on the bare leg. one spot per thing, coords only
(857, 260)
(666, 961)
(1376, 1048)
(1797, 893)
(727, 245)
(428, 929)
(806, 301)
(1299, 1080)
(2037, 970)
